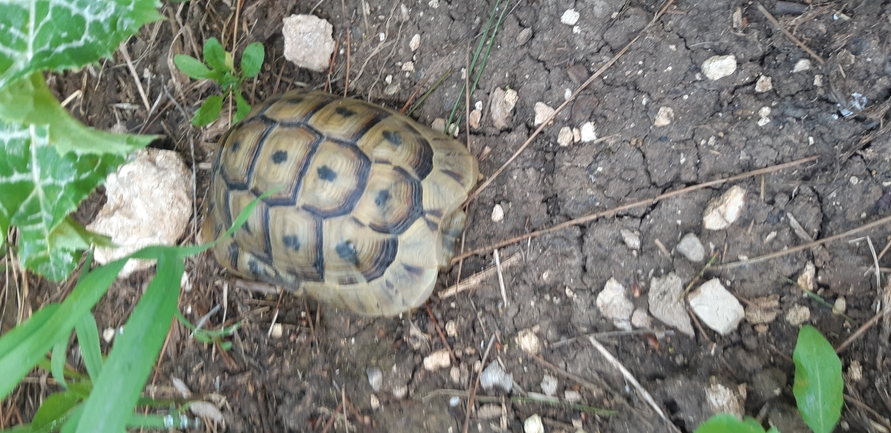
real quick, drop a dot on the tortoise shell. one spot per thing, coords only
(369, 205)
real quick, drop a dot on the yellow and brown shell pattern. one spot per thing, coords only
(368, 209)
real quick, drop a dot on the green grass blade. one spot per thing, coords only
(818, 386)
(57, 362)
(117, 389)
(88, 337)
(25, 345)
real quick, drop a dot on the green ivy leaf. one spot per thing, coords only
(191, 67)
(209, 111)
(39, 187)
(252, 60)
(30, 101)
(35, 31)
(818, 386)
(242, 107)
(215, 55)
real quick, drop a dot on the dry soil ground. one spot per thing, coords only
(297, 381)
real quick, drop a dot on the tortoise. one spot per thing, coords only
(369, 207)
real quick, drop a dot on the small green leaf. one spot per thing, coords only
(215, 55)
(191, 66)
(252, 60)
(818, 386)
(242, 107)
(209, 111)
(54, 411)
(726, 423)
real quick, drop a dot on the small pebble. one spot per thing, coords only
(764, 84)
(664, 116)
(455, 375)
(718, 67)
(640, 319)
(763, 310)
(400, 391)
(533, 424)
(542, 113)
(451, 328)
(570, 17)
(797, 315)
(564, 137)
(474, 119)
(722, 399)
(572, 396)
(108, 335)
(206, 410)
(549, 385)
(663, 301)
(503, 103)
(722, 211)
(807, 277)
(529, 341)
(631, 238)
(494, 375)
(614, 304)
(408, 67)
(415, 42)
(801, 66)
(308, 41)
(276, 330)
(717, 307)
(855, 371)
(375, 402)
(497, 213)
(691, 248)
(437, 360)
(524, 36)
(375, 378)
(840, 305)
(587, 133)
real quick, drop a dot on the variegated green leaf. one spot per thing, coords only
(39, 187)
(37, 35)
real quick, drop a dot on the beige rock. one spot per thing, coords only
(308, 41)
(149, 203)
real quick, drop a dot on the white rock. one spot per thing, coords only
(451, 328)
(149, 203)
(437, 360)
(631, 238)
(497, 213)
(374, 402)
(691, 248)
(455, 375)
(586, 132)
(494, 375)
(564, 137)
(764, 84)
(549, 385)
(664, 116)
(797, 315)
(614, 304)
(572, 396)
(802, 65)
(717, 307)
(206, 410)
(375, 378)
(533, 424)
(764, 112)
(474, 119)
(640, 319)
(400, 391)
(529, 341)
(408, 67)
(542, 112)
(308, 41)
(438, 124)
(108, 335)
(666, 303)
(718, 67)
(840, 305)
(276, 331)
(576, 135)
(503, 103)
(570, 17)
(415, 42)
(722, 399)
(807, 277)
(722, 211)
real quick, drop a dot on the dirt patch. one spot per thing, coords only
(716, 129)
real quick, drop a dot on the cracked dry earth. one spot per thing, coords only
(662, 125)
